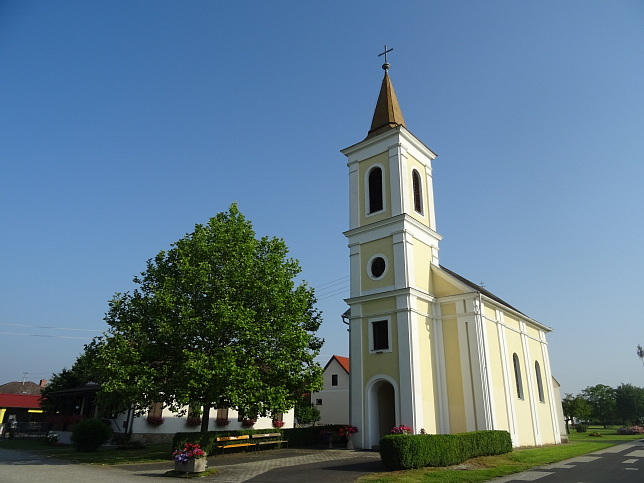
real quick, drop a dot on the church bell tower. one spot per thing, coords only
(393, 243)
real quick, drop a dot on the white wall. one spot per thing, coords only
(335, 399)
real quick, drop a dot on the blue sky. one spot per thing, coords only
(125, 123)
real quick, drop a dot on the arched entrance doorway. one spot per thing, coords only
(382, 399)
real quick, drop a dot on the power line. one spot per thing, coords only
(333, 294)
(49, 336)
(50, 327)
(337, 280)
(326, 290)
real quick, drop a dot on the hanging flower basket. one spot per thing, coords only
(155, 420)
(248, 422)
(193, 421)
(277, 424)
(222, 422)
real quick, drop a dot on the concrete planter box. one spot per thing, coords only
(196, 465)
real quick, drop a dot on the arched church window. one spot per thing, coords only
(517, 375)
(537, 370)
(417, 189)
(374, 180)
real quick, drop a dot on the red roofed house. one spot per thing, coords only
(333, 400)
(20, 402)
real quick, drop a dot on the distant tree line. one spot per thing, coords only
(604, 405)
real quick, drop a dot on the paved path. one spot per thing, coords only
(623, 463)
(312, 466)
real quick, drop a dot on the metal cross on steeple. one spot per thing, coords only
(386, 65)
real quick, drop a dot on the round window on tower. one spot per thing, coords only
(377, 267)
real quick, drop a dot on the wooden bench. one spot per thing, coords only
(224, 442)
(261, 439)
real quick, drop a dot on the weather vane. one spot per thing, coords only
(386, 65)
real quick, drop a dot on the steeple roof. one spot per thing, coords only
(387, 114)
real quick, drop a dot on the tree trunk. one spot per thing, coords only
(205, 418)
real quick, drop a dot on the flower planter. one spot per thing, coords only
(350, 441)
(195, 465)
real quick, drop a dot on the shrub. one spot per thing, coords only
(406, 451)
(631, 430)
(581, 428)
(89, 434)
(308, 436)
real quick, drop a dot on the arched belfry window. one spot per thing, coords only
(517, 375)
(417, 188)
(537, 370)
(375, 197)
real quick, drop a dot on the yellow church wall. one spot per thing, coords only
(453, 371)
(379, 306)
(522, 406)
(498, 381)
(422, 261)
(363, 168)
(442, 288)
(511, 321)
(387, 362)
(543, 408)
(448, 309)
(425, 326)
(489, 312)
(383, 246)
(532, 332)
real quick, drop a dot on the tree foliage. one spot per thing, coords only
(605, 405)
(83, 371)
(601, 399)
(305, 412)
(629, 404)
(215, 321)
(575, 407)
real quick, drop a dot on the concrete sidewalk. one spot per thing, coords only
(279, 465)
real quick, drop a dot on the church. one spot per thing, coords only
(428, 348)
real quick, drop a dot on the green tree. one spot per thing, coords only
(601, 399)
(305, 412)
(640, 353)
(629, 402)
(81, 373)
(216, 321)
(574, 407)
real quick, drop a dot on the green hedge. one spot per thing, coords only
(312, 435)
(405, 451)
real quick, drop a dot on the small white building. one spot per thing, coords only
(145, 431)
(333, 400)
(158, 425)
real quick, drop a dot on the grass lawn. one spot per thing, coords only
(104, 456)
(489, 467)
